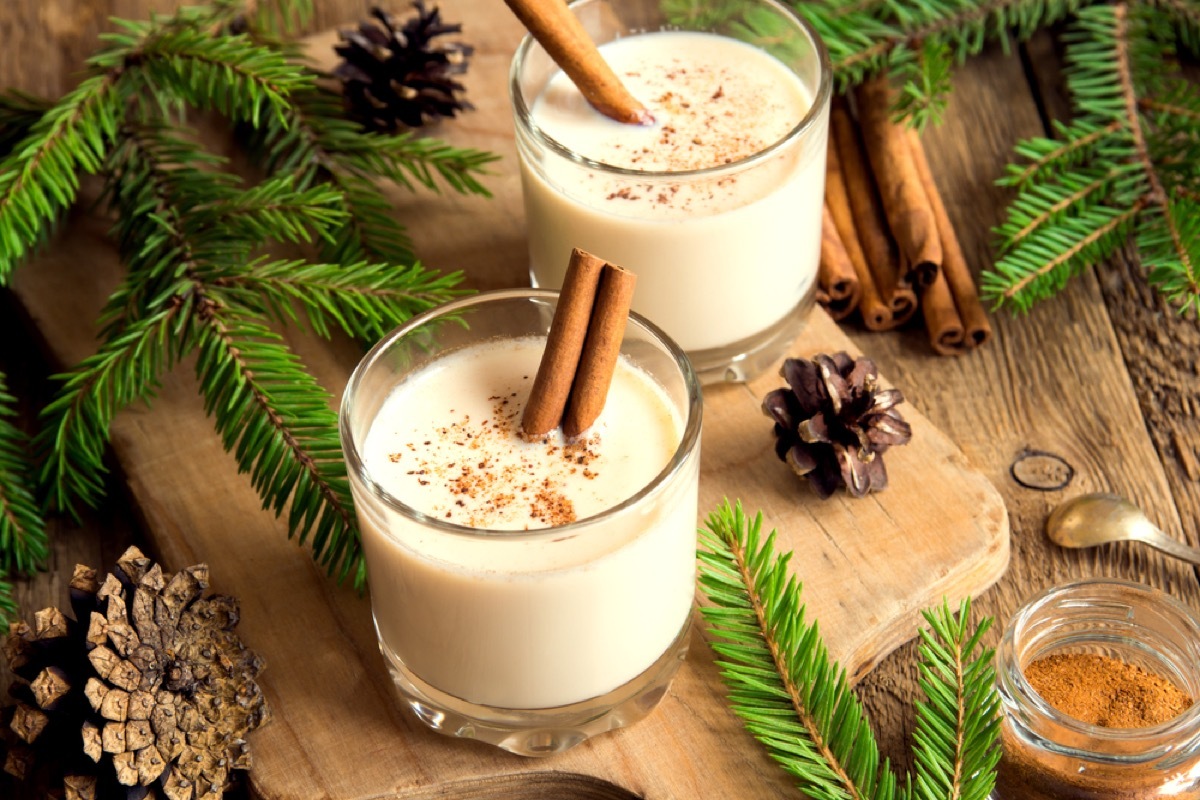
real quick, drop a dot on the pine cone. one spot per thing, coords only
(833, 422)
(148, 692)
(398, 75)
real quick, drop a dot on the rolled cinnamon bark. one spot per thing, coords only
(903, 300)
(976, 327)
(876, 314)
(908, 211)
(564, 345)
(601, 349)
(941, 318)
(838, 289)
(870, 221)
(562, 36)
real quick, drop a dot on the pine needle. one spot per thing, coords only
(798, 703)
(781, 681)
(279, 424)
(1124, 169)
(190, 235)
(23, 542)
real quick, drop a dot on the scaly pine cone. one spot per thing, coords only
(148, 692)
(833, 422)
(399, 75)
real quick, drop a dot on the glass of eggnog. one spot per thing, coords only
(526, 593)
(717, 204)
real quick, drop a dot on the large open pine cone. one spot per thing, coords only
(833, 422)
(148, 692)
(402, 74)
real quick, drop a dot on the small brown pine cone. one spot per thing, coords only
(833, 422)
(147, 692)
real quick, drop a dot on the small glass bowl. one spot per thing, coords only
(1048, 755)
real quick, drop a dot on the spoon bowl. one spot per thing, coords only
(1092, 519)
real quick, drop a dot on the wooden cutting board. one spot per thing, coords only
(868, 566)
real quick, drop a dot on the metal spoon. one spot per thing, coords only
(1092, 519)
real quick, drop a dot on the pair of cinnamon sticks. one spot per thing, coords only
(582, 347)
(887, 245)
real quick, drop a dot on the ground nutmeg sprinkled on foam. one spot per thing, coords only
(461, 460)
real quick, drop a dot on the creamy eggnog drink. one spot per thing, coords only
(716, 205)
(528, 593)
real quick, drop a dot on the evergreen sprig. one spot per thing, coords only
(917, 42)
(795, 700)
(1125, 169)
(23, 543)
(317, 143)
(192, 238)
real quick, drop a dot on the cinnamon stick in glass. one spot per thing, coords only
(876, 314)
(562, 36)
(564, 345)
(601, 349)
(882, 257)
(908, 211)
(838, 289)
(961, 284)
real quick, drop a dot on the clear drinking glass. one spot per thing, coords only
(726, 256)
(1049, 755)
(529, 640)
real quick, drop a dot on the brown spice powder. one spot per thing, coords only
(1105, 691)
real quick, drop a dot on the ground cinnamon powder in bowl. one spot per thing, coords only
(1105, 691)
(1108, 693)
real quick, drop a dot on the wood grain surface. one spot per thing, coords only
(1102, 376)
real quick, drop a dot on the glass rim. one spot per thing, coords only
(1021, 690)
(689, 441)
(821, 98)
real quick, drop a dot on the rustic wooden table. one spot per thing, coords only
(1103, 378)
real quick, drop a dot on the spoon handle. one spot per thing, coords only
(1160, 541)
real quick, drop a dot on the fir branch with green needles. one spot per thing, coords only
(23, 543)
(1127, 168)
(798, 703)
(916, 41)
(198, 280)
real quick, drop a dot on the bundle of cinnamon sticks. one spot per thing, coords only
(887, 246)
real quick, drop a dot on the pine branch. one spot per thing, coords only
(316, 143)
(125, 369)
(1041, 266)
(1073, 193)
(1051, 158)
(1169, 244)
(40, 178)
(177, 60)
(23, 542)
(8, 603)
(959, 721)
(19, 112)
(1124, 160)
(229, 74)
(917, 40)
(782, 683)
(154, 175)
(363, 300)
(277, 421)
(274, 211)
(1185, 18)
(189, 233)
(799, 704)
